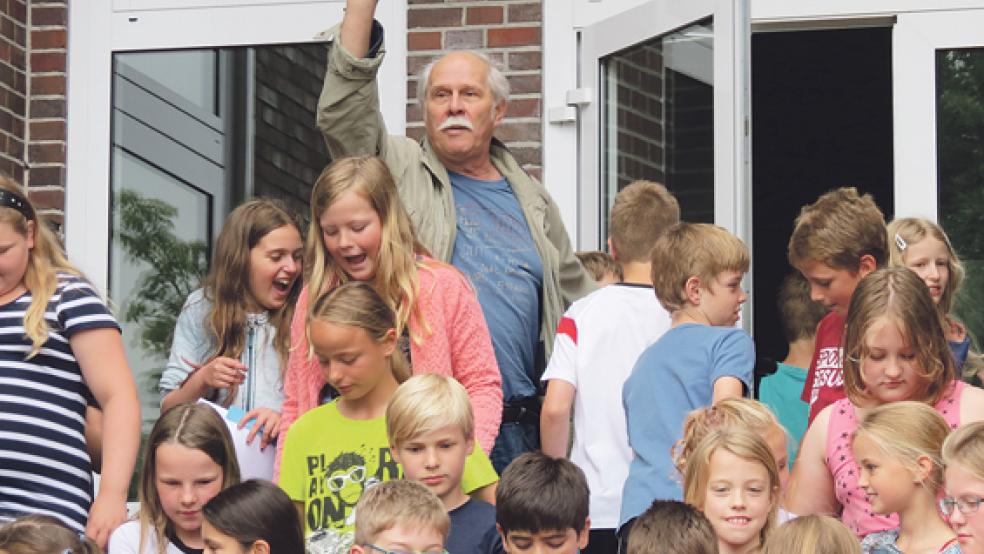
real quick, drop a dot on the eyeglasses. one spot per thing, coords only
(966, 505)
(384, 551)
(355, 475)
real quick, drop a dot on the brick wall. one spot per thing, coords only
(32, 99)
(509, 32)
(289, 151)
(665, 129)
(13, 85)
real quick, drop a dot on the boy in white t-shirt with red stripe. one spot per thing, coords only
(598, 341)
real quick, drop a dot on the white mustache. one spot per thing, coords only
(456, 121)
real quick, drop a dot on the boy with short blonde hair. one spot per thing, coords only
(430, 425)
(702, 359)
(837, 241)
(597, 343)
(401, 516)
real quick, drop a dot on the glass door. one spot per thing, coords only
(939, 119)
(669, 83)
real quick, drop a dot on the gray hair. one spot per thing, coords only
(495, 80)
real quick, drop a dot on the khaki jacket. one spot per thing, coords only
(352, 125)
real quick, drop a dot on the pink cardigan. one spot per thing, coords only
(459, 346)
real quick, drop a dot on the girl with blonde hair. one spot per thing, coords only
(814, 534)
(360, 232)
(922, 246)
(188, 459)
(894, 349)
(898, 446)
(58, 338)
(732, 477)
(963, 462)
(232, 338)
(343, 445)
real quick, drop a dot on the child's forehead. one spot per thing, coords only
(434, 433)
(817, 269)
(541, 534)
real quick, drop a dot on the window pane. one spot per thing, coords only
(191, 74)
(960, 152)
(659, 120)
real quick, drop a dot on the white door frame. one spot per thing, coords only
(101, 27)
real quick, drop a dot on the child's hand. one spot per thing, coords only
(221, 372)
(267, 422)
(107, 513)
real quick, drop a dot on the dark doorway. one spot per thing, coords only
(822, 119)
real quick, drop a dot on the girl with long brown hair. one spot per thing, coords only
(232, 338)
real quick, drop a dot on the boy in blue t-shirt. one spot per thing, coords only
(702, 359)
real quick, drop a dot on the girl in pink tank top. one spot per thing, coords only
(894, 349)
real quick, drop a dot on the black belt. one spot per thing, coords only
(525, 410)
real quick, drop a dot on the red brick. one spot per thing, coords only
(47, 108)
(416, 63)
(46, 176)
(483, 15)
(524, 107)
(525, 12)
(424, 41)
(44, 62)
(514, 36)
(17, 10)
(518, 132)
(46, 199)
(48, 39)
(8, 28)
(17, 57)
(524, 84)
(434, 17)
(46, 153)
(49, 15)
(525, 60)
(471, 39)
(411, 87)
(48, 130)
(48, 85)
(413, 2)
(415, 112)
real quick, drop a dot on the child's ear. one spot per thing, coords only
(611, 249)
(502, 535)
(389, 342)
(692, 290)
(582, 536)
(356, 549)
(395, 454)
(866, 265)
(260, 547)
(924, 467)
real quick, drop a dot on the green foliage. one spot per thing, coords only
(146, 233)
(960, 153)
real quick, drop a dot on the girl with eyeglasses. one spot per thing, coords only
(895, 349)
(963, 458)
(898, 449)
(335, 452)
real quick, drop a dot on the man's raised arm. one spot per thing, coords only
(348, 109)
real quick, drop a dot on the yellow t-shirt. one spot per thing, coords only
(329, 460)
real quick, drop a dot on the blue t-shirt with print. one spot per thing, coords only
(675, 375)
(494, 248)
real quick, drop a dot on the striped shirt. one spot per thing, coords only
(44, 465)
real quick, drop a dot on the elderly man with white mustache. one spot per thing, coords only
(471, 202)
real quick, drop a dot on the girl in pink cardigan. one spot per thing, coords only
(360, 231)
